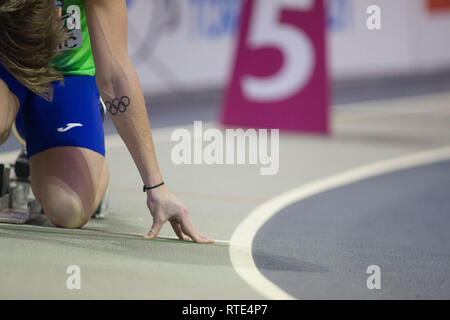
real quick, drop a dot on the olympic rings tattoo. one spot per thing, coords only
(115, 106)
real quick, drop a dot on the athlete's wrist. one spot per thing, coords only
(157, 195)
(152, 187)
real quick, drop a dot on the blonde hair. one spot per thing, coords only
(30, 31)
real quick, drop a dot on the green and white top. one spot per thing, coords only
(76, 57)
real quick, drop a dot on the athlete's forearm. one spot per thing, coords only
(125, 103)
(119, 84)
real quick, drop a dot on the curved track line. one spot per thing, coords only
(242, 238)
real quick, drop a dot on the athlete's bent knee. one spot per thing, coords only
(65, 211)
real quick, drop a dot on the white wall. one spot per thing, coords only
(185, 45)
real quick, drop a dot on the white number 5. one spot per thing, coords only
(266, 31)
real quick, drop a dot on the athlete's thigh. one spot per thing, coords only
(65, 143)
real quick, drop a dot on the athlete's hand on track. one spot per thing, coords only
(164, 206)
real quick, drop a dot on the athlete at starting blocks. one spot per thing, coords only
(60, 122)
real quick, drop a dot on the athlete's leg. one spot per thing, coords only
(69, 182)
(13, 208)
(65, 143)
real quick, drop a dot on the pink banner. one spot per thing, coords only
(279, 79)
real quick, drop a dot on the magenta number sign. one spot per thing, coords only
(279, 79)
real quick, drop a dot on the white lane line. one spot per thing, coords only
(242, 238)
(88, 231)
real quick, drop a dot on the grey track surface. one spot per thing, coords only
(399, 221)
(351, 91)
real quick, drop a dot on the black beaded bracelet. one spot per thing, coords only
(146, 188)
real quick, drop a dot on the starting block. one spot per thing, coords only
(17, 204)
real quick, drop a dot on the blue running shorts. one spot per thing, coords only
(73, 118)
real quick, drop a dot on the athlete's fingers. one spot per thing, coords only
(156, 227)
(177, 229)
(188, 228)
(205, 239)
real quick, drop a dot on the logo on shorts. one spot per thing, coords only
(69, 126)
